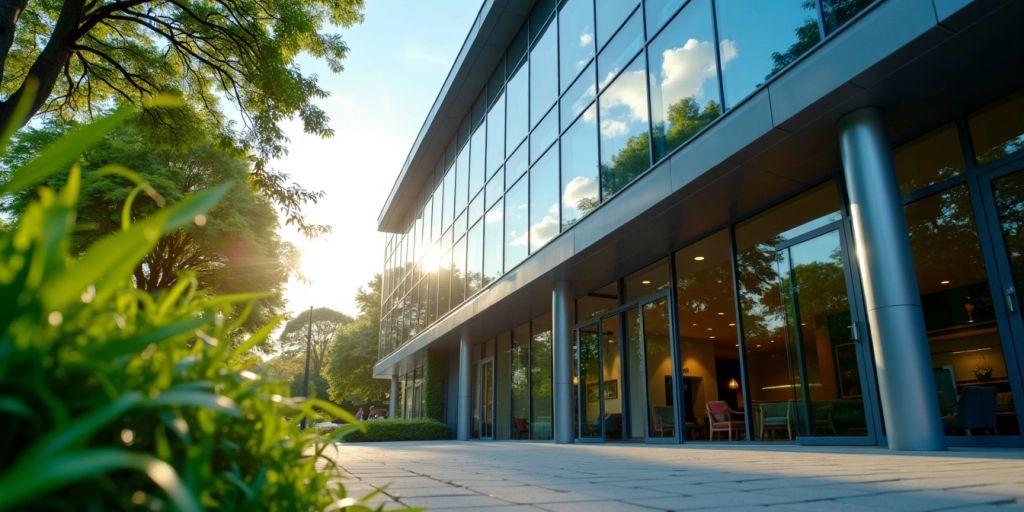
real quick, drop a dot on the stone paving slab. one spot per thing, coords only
(525, 476)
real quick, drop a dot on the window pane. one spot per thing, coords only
(759, 38)
(544, 135)
(928, 160)
(449, 199)
(476, 208)
(684, 78)
(503, 380)
(476, 160)
(517, 165)
(460, 225)
(579, 169)
(653, 278)
(598, 301)
(496, 136)
(444, 279)
(540, 378)
(496, 85)
(544, 224)
(474, 258)
(517, 50)
(838, 12)
(495, 189)
(610, 14)
(459, 272)
(543, 74)
(517, 112)
(624, 141)
(579, 96)
(576, 38)
(658, 12)
(802, 214)
(540, 16)
(493, 235)
(621, 50)
(462, 179)
(998, 130)
(516, 223)
(521, 382)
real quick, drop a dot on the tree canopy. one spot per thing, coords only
(349, 370)
(326, 323)
(74, 58)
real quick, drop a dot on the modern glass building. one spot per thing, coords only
(732, 220)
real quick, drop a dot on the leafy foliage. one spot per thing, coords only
(115, 398)
(353, 352)
(401, 429)
(326, 323)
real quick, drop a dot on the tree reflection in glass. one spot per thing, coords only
(625, 144)
(579, 193)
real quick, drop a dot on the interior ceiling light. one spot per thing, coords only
(720, 313)
(698, 258)
(944, 281)
(645, 281)
(732, 325)
(711, 337)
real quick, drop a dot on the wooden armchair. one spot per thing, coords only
(721, 418)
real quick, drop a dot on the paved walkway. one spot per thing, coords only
(516, 476)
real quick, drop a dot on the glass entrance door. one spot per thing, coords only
(486, 388)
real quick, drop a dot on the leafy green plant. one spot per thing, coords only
(115, 398)
(400, 429)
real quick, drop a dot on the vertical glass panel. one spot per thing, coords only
(611, 378)
(476, 208)
(517, 223)
(449, 199)
(998, 130)
(579, 169)
(503, 386)
(635, 375)
(967, 354)
(478, 113)
(444, 280)
(760, 37)
(496, 136)
(493, 237)
(610, 14)
(517, 50)
(838, 12)
(518, 109)
(544, 222)
(927, 160)
(540, 378)
(431, 301)
(580, 96)
(474, 258)
(589, 376)
(707, 330)
(487, 400)
(517, 165)
(462, 180)
(540, 16)
(621, 50)
(658, 362)
(459, 272)
(543, 74)
(575, 38)
(658, 12)
(477, 154)
(544, 135)
(806, 212)
(684, 78)
(521, 382)
(598, 301)
(475, 384)
(495, 189)
(625, 146)
(460, 225)
(652, 279)
(496, 84)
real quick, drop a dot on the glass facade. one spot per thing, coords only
(588, 95)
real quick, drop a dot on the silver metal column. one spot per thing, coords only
(562, 327)
(464, 422)
(393, 397)
(905, 382)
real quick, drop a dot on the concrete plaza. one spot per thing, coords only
(520, 476)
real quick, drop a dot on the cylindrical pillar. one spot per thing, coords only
(902, 357)
(464, 424)
(562, 333)
(393, 397)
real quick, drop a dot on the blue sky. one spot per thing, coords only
(399, 57)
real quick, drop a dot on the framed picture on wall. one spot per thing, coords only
(847, 374)
(611, 389)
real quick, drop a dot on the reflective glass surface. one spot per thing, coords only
(579, 192)
(462, 179)
(760, 37)
(575, 38)
(581, 95)
(517, 111)
(544, 223)
(684, 78)
(474, 258)
(610, 392)
(517, 165)
(589, 379)
(651, 279)
(517, 223)
(927, 160)
(635, 375)
(496, 135)
(459, 272)
(444, 284)
(838, 12)
(544, 135)
(503, 382)
(657, 359)
(610, 14)
(495, 188)
(494, 235)
(449, 199)
(620, 50)
(521, 382)
(460, 226)
(476, 208)
(540, 379)
(517, 50)
(543, 74)
(998, 130)
(658, 12)
(477, 152)
(625, 147)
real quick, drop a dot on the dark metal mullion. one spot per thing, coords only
(643, 371)
(600, 379)
(738, 311)
(794, 295)
(675, 350)
(625, 427)
(718, 57)
(821, 20)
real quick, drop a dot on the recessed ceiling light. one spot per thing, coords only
(709, 328)
(773, 341)
(645, 281)
(944, 281)
(732, 325)
(720, 313)
(698, 258)
(695, 325)
(737, 344)
(711, 337)
(758, 345)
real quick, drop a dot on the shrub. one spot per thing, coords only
(112, 398)
(400, 429)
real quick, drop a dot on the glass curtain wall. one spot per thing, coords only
(541, 423)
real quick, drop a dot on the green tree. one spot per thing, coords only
(76, 57)
(349, 371)
(234, 248)
(326, 323)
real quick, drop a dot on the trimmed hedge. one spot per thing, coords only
(401, 429)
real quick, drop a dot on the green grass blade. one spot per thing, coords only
(191, 398)
(139, 342)
(258, 336)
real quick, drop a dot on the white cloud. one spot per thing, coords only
(686, 69)
(577, 189)
(629, 91)
(727, 51)
(544, 231)
(585, 39)
(613, 128)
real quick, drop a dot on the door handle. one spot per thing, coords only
(854, 331)
(1011, 299)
